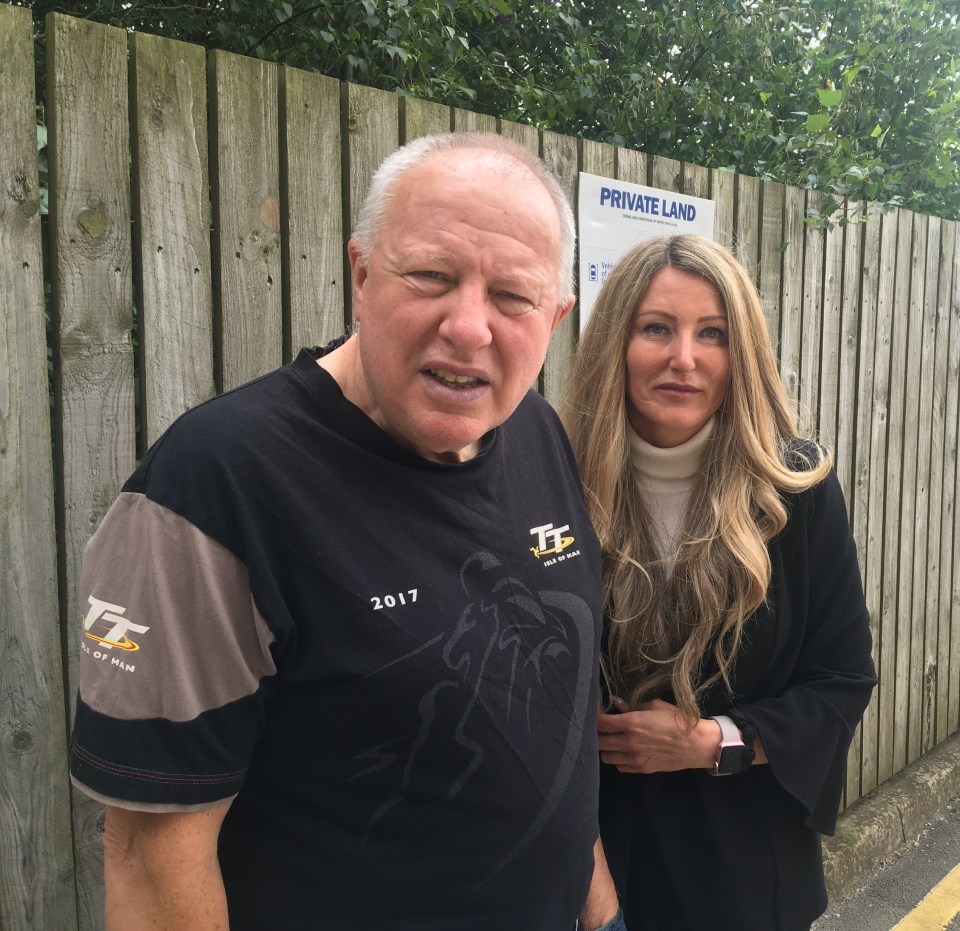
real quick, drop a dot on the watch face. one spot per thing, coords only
(730, 759)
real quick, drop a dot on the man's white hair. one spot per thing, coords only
(372, 213)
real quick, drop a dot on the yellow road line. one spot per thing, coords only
(938, 908)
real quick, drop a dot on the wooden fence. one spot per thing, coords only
(198, 208)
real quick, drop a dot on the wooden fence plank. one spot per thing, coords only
(953, 685)
(853, 346)
(598, 158)
(521, 133)
(926, 566)
(423, 118)
(696, 181)
(770, 238)
(846, 415)
(791, 306)
(560, 154)
(900, 469)
(631, 166)
(746, 238)
(665, 173)
(829, 352)
(313, 253)
(894, 291)
(373, 132)
(36, 860)
(92, 286)
(468, 121)
(245, 181)
(171, 206)
(723, 184)
(942, 465)
(813, 271)
(870, 469)
(913, 511)
(948, 665)
(529, 138)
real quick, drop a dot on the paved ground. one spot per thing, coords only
(874, 829)
(892, 892)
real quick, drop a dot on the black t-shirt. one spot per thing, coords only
(391, 662)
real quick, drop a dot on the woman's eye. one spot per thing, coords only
(713, 332)
(655, 329)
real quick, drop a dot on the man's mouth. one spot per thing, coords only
(452, 380)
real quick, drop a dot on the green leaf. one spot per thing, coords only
(817, 122)
(877, 130)
(829, 98)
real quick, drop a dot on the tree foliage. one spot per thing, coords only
(857, 98)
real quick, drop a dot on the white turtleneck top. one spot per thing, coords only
(666, 477)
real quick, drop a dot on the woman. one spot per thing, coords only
(737, 641)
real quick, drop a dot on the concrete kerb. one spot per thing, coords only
(893, 814)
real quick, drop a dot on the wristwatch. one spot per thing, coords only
(730, 754)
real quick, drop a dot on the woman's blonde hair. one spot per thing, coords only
(678, 633)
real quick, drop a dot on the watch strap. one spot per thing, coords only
(729, 732)
(730, 753)
(749, 733)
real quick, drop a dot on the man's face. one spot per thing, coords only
(456, 303)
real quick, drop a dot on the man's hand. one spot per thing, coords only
(652, 738)
(161, 871)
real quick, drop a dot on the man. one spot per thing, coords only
(342, 622)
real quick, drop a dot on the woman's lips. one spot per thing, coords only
(680, 389)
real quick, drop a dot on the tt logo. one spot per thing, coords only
(110, 614)
(550, 539)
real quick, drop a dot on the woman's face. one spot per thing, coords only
(678, 358)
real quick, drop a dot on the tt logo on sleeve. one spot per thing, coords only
(113, 624)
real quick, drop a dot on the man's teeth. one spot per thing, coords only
(461, 381)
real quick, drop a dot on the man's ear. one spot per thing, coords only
(562, 311)
(358, 270)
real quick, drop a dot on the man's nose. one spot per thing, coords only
(466, 321)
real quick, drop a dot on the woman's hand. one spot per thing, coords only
(652, 739)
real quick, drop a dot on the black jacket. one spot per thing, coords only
(691, 851)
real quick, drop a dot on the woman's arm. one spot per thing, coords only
(652, 738)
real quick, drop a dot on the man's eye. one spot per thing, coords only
(513, 303)
(430, 276)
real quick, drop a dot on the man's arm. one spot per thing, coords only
(602, 904)
(161, 870)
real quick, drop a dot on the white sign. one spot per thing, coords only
(615, 216)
